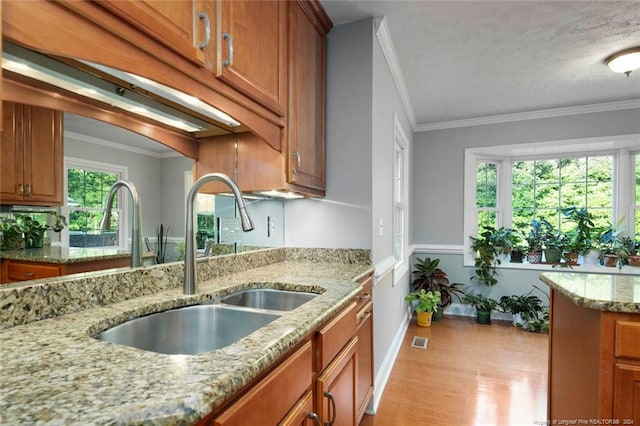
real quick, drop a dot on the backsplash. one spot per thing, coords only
(53, 297)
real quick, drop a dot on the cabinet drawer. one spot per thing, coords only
(17, 271)
(365, 294)
(332, 337)
(271, 399)
(364, 314)
(627, 339)
(302, 413)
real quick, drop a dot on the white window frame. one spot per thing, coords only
(622, 147)
(123, 171)
(400, 242)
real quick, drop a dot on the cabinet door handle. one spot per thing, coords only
(21, 191)
(365, 296)
(229, 38)
(333, 408)
(29, 274)
(315, 418)
(207, 29)
(28, 190)
(296, 154)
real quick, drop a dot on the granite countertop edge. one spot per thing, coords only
(71, 375)
(623, 306)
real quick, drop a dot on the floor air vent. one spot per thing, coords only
(419, 342)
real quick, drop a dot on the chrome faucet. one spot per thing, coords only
(136, 232)
(190, 273)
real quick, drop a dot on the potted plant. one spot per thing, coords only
(484, 306)
(523, 307)
(613, 251)
(11, 237)
(427, 304)
(33, 231)
(534, 240)
(488, 246)
(634, 256)
(431, 278)
(580, 238)
(554, 243)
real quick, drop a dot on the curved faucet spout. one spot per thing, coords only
(190, 275)
(136, 227)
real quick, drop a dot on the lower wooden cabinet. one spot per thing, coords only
(364, 382)
(19, 270)
(336, 386)
(274, 397)
(626, 393)
(302, 414)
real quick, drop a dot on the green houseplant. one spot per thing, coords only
(488, 246)
(534, 239)
(427, 304)
(523, 307)
(429, 277)
(580, 239)
(11, 236)
(613, 251)
(33, 230)
(484, 306)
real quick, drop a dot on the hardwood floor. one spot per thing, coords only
(470, 374)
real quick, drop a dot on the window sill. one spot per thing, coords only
(595, 269)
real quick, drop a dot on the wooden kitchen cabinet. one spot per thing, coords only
(252, 56)
(602, 379)
(31, 172)
(302, 414)
(308, 30)
(364, 332)
(21, 270)
(336, 386)
(175, 24)
(275, 396)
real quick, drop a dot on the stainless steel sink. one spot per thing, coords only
(267, 298)
(188, 330)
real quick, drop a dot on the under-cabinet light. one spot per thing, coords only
(115, 98)
(169, 93)
(281, 194)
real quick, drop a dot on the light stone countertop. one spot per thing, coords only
(63, 255)
(615, 293)
(54, 372)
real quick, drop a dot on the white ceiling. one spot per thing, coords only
(463, 60)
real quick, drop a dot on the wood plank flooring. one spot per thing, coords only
(470, 374)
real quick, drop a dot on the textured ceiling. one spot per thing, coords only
(464, 60)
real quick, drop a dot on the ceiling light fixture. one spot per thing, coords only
(625, 61)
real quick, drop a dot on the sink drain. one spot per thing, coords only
(419, 342)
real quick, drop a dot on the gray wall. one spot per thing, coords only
(173, 193)
(437, 195)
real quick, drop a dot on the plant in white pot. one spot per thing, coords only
(521, 307)
(427, 304)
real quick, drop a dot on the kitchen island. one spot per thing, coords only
(53, 371)
(594, 348)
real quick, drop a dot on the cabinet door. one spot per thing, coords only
(253, 50)
(364, 385)
(306, 117)
(43, 156)
(626, 394)
(11, 154)
(302, 414)
(173, 23)
(335, 388)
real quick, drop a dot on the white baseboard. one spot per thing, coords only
(384, 372)
(469, 311)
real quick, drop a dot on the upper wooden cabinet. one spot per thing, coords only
(252, 53)
(182, 26)
(31, 161)
(306, 115)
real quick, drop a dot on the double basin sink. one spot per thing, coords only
(208, 326)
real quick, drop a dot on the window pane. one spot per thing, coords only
(546, 171)
(573, 169)
(573, 195)
(486, 218)
(486, 185)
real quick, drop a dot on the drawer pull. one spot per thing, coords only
(29, 274)
(229, 38)
(365, 296)
(315, 418)
(333, 408)
(365, 316)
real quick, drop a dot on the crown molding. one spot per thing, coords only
(110, 144)
(388, 50)
(530, 115)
